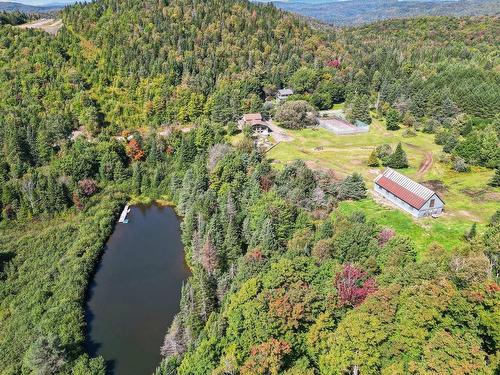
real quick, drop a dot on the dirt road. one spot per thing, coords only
(426, 164)
(49, 25)
(278, 133)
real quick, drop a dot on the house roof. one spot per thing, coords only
(404, 188)
(285, 92)
(249, 117)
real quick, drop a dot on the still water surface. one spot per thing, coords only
(136, 291)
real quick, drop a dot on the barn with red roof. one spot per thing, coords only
(407, 194)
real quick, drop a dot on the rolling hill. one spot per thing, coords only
(353, 12)
(294, 270)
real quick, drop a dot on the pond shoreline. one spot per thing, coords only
(134, 292)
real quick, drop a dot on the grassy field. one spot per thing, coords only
(468, 198)
(445, 230)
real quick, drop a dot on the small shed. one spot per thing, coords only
(284, 94)
(407, 194)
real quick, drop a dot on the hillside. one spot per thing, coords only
(353, 12)
(24, 8)
(293, 270)
(187, 50)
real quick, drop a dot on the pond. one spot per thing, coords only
(136, 290)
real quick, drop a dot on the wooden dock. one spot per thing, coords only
(123, 216)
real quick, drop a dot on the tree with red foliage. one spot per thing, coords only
(87, 187)
(353, 285)
(134, 150)
(333, 63)
(385, 235)
(266, 183)
(255, 255)
(76, 201)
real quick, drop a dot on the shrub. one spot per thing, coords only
(460, 165)
(408, 133)
(383, 151)
(385, 235)
(322, 250)
(431, 126)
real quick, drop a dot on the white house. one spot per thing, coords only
(284, 94)
(259, 126)
(407, 194)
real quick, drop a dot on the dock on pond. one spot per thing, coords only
(123, 216)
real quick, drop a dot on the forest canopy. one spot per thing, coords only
(282, 282)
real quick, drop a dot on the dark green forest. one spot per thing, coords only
(281, 282)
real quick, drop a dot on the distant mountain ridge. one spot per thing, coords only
(353, 12)
(25, 8)
(343, 1)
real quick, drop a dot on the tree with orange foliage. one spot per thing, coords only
(134, 150)
(266, 358)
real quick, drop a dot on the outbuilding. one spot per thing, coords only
(284, 94)
(407, 194)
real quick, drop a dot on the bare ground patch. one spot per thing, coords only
(481, 195)
(436, 185)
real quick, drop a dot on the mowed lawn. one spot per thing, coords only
(467, 196)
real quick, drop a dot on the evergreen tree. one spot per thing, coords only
(353, 187)
(119, 172)
(373, 159)
(360, 109)
(137, 178)
(392, 119)
(268, 237)
(398, 159)
(495, 180)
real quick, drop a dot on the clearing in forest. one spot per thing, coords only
(49, 25)
(467, 196)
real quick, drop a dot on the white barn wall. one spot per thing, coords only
(437, 209)
(426, 209)
(400, 203)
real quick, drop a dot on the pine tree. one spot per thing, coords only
(268, 237)
(119, 173)
(392, 119)
(398, 159)
(495, 180)
(373, 159)
(360, 109)
(136, 178)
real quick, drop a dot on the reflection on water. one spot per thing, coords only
(136, 291)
